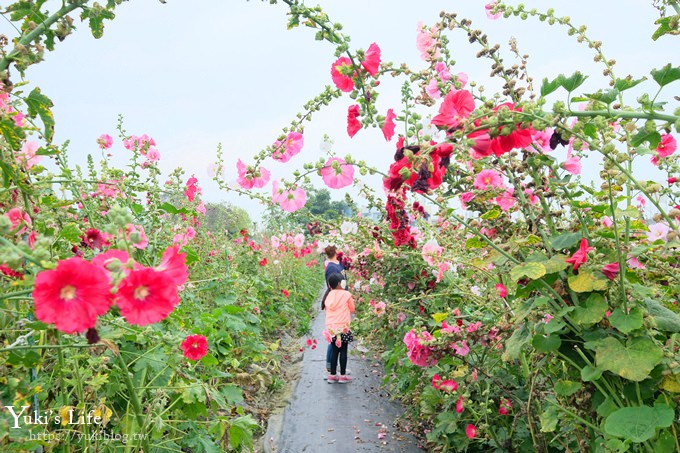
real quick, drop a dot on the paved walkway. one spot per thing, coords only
(343, 418)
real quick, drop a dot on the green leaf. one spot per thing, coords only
(665, 75)
(70, 232)
(665, 319)
(529, 270)
(13, 134)
(474, 243)
(573, 82)
(592, 311)
(192, 256)
(628, 82)
(439, 317)
(555, 264)
(513, 346)
(548, 343)
(549, 87)
(638, 424)
(586, 282)
(232, 394)
(39, 104)
(626, 322)
(565, 240)
(490, 215)
(665, 26)
(241, 432)
(634, 361)
(589, 373)
(549, 419)
(654, 138)
(566, 388)
(607, 97)
(209, 360)
(606, 408)
(630, 211)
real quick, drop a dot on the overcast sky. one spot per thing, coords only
(195, 74)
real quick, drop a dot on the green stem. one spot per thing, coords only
(134, 400)
(16, 294)
(622, 262)
(574, 415)
(40, 29)
(50, 346)
(624, 114)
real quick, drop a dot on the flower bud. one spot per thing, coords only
(653, 188)
(5, 224)
(672, 235)
(674, 213)
(657, 217)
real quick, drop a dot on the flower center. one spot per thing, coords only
(194, 345)
(68, 292)
(141, 292)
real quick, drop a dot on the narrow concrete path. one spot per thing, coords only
(343, 418)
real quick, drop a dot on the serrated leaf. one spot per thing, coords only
(529, 270)
(513, 346)
(474, 243)
(664, 24)
(573, 82)
(490, 215)
(232, 394)
(606, 97)
(192, 256)
(586, 282)
(531, 240)
(40, 105)
(70, 232)
(665, 319)
(626, 322)
(14, 135)
(546, 343)
(628, 82)
(566, 388)
(653, 138)
(665, 75)
(634, 361)
(638, 424)
(591, 312)
(565, 240)
(555, 264)
(549, 87)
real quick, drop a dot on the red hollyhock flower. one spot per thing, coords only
(338, 71)
(173, 265)
(94, 239)
(611, 270)
(6, 270)
(502, 290)
(195, 347)
(471, 431)
(372, 62)
(72, 295)
(518, 138)
(263, 262)
(285, 293)
(581, 255)
(353, 124)
(146, 296)
(457, 105)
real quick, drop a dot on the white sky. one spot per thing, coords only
(195, 74)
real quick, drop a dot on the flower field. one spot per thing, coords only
(517, 270)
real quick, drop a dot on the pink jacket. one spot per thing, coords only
(339, 305)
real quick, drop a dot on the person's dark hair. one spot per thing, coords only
(331, 251)
(334, 280)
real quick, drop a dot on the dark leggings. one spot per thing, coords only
(342, 352)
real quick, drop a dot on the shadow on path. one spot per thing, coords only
(343, 418)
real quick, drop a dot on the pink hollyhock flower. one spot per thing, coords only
(389, 126)
(105, 141)
(533, 199)
(481, 147)
(201, 208)
(502, 290)
(263, 262)
(459, 405)
(471, 431)
(667, 146)
(436, 380)
(443, 267)
(457, 105)
(27, 155)
(581, 255)
(461, 348)
(611, 270)
(431, 251)
(353, 124)
(292, 200)
(488, 178)
(432, 89)
(112, 259)
(506, 201)
(465, 198)
(372, 62)
(153, 155)
(275, 242)
(488, 7)
(173, 265)
(340, 73)
(379, 308)
(449, 329)
(425, 42)
(401, 317)
(504, 406)
(633, 263)
(658, 231)
(299, 240)
(672, 180)
(541, 139)
(572, 165)
(607, 221)
(136, 236)
(19, 218)
(442, 71)
(337, 178)
(249, 177)
(195, 347)
(146, 296)
(191, 188)
(418, 353)
(448, 385)
(94, 239)
(277, 192)
(474, 326)
(292, 146)
(72, 295)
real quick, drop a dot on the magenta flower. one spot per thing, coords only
(581, 255)
(506, 201)
(105, 141)
(292, 200)
(372, 62)
(667, 146)
(457, 105)
(337, 176)
(191, 188)
(292, 146)
(460, 407)
(488, 178)
(353, 123)
(442, 71)
(341, 72)
(471, 431)
(611, 270)
(389, 126)
(541, 139)
(27, 156)
(502, 290)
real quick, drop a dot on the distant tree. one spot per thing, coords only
(220, 217)
(319, 207)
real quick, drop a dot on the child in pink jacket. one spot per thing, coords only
(339, 306)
